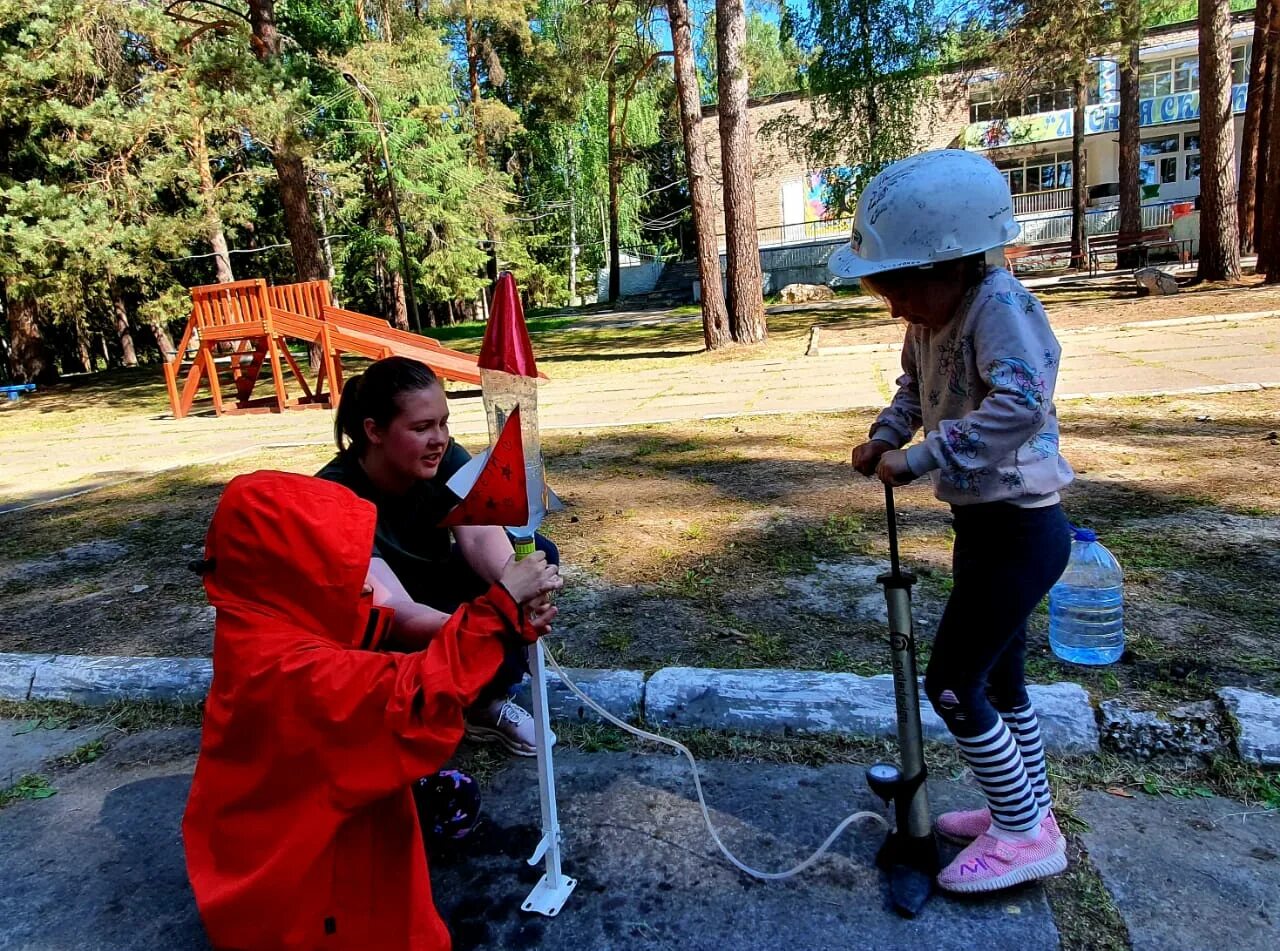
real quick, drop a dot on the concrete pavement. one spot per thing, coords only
(99, 867)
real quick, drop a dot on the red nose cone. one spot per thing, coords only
(506, 340)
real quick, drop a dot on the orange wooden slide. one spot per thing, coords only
(238, 327)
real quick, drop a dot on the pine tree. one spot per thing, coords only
(1219, 224)
(745, 299)
(715, 316)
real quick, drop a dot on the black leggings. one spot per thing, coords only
(1004, 561)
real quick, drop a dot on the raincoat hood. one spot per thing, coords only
(294, 548)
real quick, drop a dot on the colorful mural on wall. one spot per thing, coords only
(1104, 117)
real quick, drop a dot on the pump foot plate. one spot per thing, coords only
(545, 900)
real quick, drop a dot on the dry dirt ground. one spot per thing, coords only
(747, 543)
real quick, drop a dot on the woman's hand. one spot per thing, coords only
(530, 578)
(868, 454)
(893, 469)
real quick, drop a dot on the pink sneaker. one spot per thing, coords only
(988, 864)
(964, 826)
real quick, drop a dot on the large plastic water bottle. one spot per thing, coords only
(1086, 606)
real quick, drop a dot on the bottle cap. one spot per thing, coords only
(1084, 535)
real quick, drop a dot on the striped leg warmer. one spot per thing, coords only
(1025, 727)
(997, 765)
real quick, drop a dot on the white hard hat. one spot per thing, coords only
(935, 206)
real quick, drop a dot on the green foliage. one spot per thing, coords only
(30, 786)
(775, 62)
(872, 82)
(135, 139)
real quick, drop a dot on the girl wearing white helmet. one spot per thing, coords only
(979, 364)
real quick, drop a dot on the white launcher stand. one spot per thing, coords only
(553, 889)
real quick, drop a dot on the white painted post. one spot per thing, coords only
(549, 895)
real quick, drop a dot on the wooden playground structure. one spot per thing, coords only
(238, 328)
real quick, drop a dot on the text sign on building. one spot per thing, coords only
(1104, 117)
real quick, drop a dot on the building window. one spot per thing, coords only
(1191, 145)
(1155, 78)
(1037, 173)
(1159, 165)
(982, 104)
(985, 105)
(1240, 58)
(1186, 74)
(1163, 77)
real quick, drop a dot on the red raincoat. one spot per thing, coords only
(301, 830)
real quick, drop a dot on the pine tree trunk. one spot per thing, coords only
(84, 352)
(1130, 133)
(715, 317)
(290, 172)
(1266, 237)
(128, 356)
(326, 247)
(1247, 204)
(387, 9)
(29, 358)
(308, 262)
(570, 187)
(615, 174)
(163, 340)
(1079, 180)
(198, 149)
(473, 83)
(1219, 230)
(746, 285)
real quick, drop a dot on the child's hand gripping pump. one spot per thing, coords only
(910, 854)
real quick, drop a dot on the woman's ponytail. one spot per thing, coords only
(348, 422)
(375, 394)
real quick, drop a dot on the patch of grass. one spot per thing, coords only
(941, 759)
(1083, 909)
(767, 649)
(838, 535)
(474, 329)
(81, 755)
(31, 786)
(1222, 776)
(129, 716)
(619, 641)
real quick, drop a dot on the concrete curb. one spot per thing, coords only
(621, 692)
(96, 681)
(792, 701)
(777, 702)
(1256, 717)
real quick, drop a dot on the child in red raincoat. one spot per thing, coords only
(301, 830)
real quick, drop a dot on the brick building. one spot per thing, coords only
(1029, 140)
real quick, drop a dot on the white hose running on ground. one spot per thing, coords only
(697, 782)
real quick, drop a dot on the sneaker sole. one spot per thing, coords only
(484, 734)
(1055, 864)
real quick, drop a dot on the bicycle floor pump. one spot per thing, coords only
(909, 855)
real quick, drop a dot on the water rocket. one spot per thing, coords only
(509, 380)
(491, 486)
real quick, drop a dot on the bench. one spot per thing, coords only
(14, 391)
(1048, 250)
(1140, 247)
